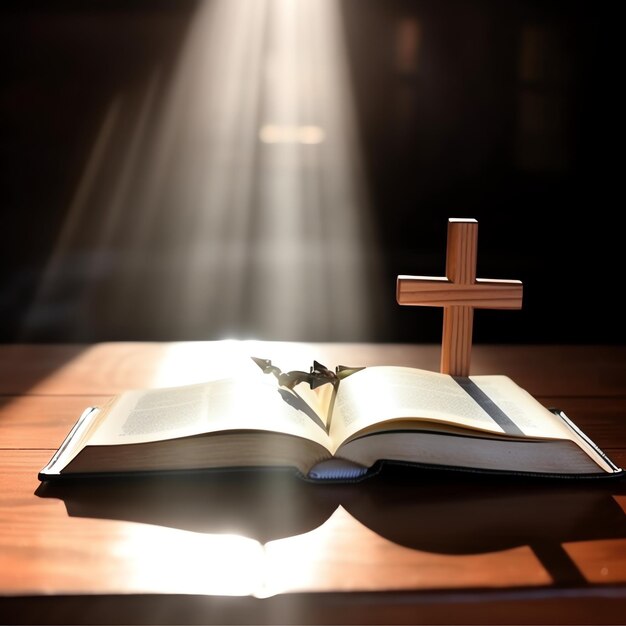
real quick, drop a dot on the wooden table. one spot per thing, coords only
(404, 547)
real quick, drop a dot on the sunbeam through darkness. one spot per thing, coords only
(224, 195)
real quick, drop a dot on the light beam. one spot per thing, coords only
(226, 198)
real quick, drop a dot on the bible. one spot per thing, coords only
(339, 431)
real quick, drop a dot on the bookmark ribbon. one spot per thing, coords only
(489, 406)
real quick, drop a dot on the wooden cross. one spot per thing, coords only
(459, 293)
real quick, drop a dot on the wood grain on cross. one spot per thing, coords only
(459, 293)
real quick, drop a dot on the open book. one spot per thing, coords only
(340, 431)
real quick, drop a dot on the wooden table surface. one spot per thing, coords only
(403, 547)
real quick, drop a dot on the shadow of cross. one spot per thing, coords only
(459, 293)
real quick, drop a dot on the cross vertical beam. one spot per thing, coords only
(459, 293)
(458, 321)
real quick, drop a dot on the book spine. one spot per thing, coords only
(337, 469)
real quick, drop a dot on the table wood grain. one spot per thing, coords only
(403, 547)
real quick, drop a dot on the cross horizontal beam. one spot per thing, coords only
(485, 293)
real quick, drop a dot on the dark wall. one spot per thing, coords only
(502, 111)
(64, 66)
(506, 115)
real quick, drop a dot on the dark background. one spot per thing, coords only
(505, 111)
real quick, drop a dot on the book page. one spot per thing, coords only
(251, 403)
(383, 393)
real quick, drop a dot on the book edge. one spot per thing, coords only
(85, 418)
